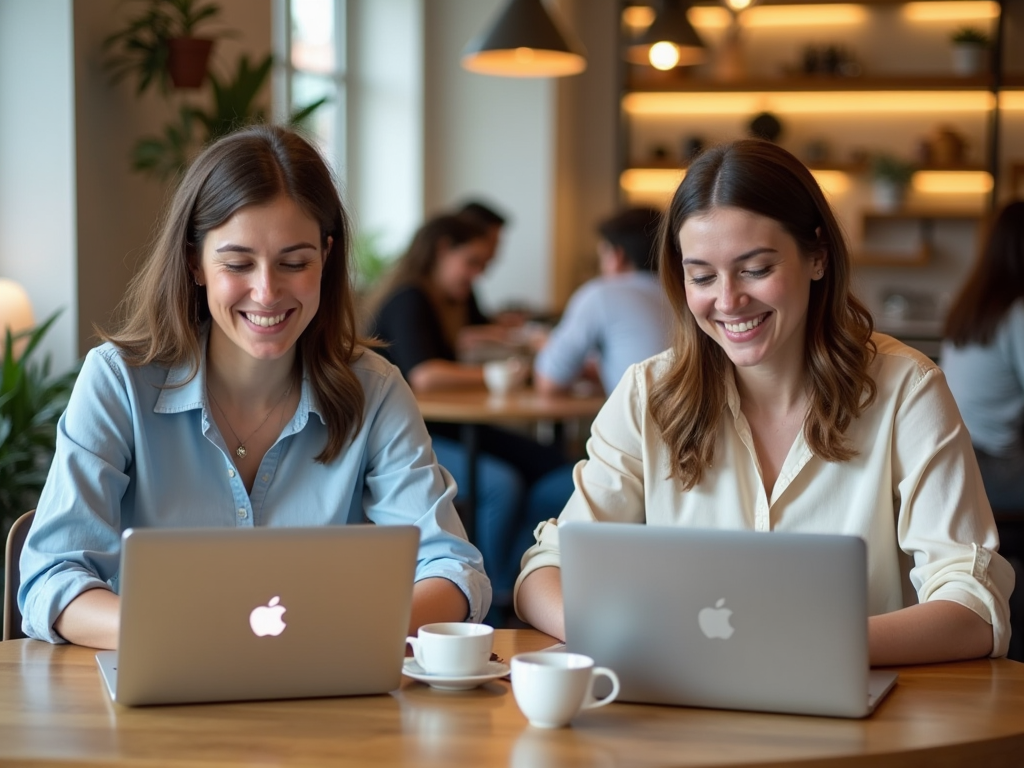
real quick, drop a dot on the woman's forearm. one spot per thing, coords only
(435, 600)
(91, 619)
(444, 374)
(539, 602)
(935, 631)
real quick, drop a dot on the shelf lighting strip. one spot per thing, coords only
(707, 17)
(813, 102)
(662, 182)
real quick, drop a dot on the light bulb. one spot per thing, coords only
(664, 55)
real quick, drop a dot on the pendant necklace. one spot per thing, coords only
(241, 451)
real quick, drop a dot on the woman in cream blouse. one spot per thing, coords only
(779, 409)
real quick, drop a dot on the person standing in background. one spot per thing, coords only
(621, 317)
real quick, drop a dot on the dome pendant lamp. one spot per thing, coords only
(525, 42)
(671, 41)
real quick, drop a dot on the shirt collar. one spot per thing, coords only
(177, 398)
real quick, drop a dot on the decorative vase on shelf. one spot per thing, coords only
(888, 196)
(970, 52)
(890, 179)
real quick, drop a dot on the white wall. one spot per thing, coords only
(37, 156)
(491, 138)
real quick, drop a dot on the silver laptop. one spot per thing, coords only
(272, 613)
(771, 622)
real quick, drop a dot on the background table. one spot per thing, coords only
(472, 408)
(54, 710)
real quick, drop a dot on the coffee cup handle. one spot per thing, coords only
(590, 702)
(416, 653)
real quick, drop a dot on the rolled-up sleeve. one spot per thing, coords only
(74, 542)
(404, 485)
(945, 522)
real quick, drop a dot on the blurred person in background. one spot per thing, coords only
(519, 481)
(617, 319)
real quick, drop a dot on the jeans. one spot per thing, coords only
(519, 484)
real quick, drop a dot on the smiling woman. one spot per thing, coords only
(778, 409)
(235, 392)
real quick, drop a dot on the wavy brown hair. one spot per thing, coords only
(687, 402)
(995, 282)
(162, 313)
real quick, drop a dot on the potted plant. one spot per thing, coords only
(891, 176)
(234, 105)
(31, 402)
(970, 49)
(160, 45)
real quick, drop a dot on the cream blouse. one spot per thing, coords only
(912, 492)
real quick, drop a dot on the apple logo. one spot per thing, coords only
(266, 619)
(714, 622)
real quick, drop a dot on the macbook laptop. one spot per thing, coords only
(271, 613)
(772, 622)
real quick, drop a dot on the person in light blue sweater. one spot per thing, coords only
(615, 320)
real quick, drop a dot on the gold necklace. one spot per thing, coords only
(241, 451)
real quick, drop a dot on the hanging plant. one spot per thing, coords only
(160, 46)
(234, 106)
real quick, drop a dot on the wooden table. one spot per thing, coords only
(472, 408)
(54, 710)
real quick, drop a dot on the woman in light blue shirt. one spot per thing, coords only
(235, 392)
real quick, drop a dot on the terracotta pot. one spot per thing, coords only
(187, 59)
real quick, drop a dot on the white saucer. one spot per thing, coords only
(495, 669)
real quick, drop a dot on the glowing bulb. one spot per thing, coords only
(664, 55)
(524, 54)
(738, 5)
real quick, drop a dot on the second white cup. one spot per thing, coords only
(551, 688)
(452, 649)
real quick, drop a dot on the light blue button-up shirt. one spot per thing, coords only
(133, 452)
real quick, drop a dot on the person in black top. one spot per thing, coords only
(419, 312)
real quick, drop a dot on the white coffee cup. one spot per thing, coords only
(502, 376)
(453, 649)
(551, 688)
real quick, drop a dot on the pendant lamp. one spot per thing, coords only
(671, 41)
(525, 42)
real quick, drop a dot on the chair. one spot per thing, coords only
(12, 576)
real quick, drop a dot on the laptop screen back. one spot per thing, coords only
(730, 619)
(225, 615)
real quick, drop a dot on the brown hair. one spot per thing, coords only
(995, 282)
(688, 401)
(163, 310)
(417, 263)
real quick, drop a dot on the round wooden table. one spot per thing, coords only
(54, 710)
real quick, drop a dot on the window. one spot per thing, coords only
(310, 65)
